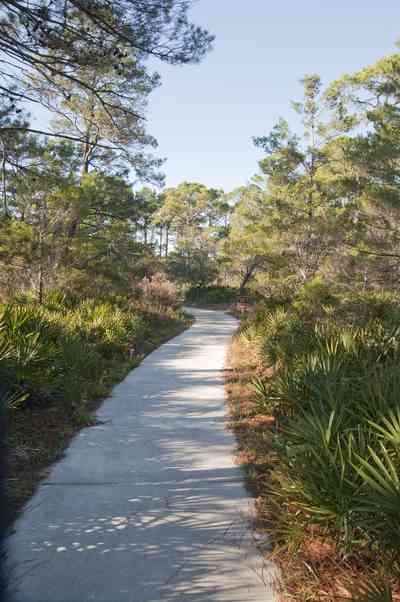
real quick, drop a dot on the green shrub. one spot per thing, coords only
(211, 294)
(58, 352)
(314, 294)
(321, 477)
(335, 388)
(363, 308)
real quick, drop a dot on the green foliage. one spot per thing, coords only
(314, 294)
(195, 267)
(262, 392)
(211, 294)
(321, 478)
(364, 308)
(195, 218)
(335, 389)
(59, 352)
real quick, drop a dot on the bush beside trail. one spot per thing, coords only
(59, 358)
(315, 399)
(215, 295)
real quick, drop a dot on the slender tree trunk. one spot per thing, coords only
(246, 278)
(75, 222)
(166, 239)
(41, 285)
(3, 179)
(161, 240)
(86, 159)
(90, 137)
(74, 225)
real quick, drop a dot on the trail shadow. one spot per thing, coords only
(148, 506)
(170, 541)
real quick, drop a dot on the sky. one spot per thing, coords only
(204, 116)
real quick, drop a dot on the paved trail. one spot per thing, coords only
(149, 506)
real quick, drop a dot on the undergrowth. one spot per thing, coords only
(314, 394)
(57, 361)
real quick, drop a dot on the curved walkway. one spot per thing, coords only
(148, 506)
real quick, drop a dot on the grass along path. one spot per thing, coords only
(37, 437)
(311, 566)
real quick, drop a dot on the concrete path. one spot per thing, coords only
(149, 506)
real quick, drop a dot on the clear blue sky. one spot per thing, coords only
(205, 115)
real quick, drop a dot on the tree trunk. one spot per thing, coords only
(161, 240)
(40, 291)
(166, 239)
(87, 149)
(247, 277)
(3, 179)
(86, 158)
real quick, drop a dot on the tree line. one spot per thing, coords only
(327, 200)
(72, 212)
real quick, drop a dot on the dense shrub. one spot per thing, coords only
(363, 308)
(214, 294)
(334, 386)
(313, 295)
(211, 295)
(57, 353)
(160, 292)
